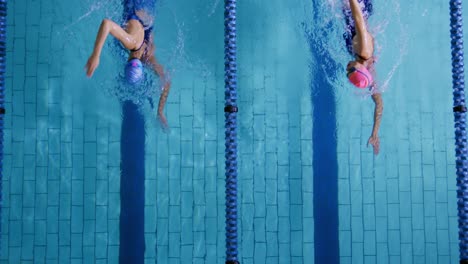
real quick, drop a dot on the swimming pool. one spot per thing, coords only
(62, 158)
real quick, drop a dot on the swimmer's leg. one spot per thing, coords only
(368, 8)
(147, 5)
(144, 9)
(128, 8)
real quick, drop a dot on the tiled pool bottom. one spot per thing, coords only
(71, 213)
(402, 208)
(63, 204)
(62, 166)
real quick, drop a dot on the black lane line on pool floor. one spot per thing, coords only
(132, 166)
(324, 146)
(325, 168)
(132, 185)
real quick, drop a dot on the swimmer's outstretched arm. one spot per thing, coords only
(165, 91)
(358, 17)
(374, 138)
(107, 26)
(363, 37)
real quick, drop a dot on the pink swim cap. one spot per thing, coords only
(360, 77)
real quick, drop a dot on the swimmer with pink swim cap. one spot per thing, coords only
(360, 77)
(360, 71)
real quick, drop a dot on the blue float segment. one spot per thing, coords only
(459, 110)
(3, 22)
(231, 129)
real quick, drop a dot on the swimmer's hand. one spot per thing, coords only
(163, 122)
(91, 65)
(375, 142)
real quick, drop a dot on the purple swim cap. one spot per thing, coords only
(134, 71)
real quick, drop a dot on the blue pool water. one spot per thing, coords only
(310, 191)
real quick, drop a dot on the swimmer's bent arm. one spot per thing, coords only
(166, 87)
(378, 111)
(107, 26)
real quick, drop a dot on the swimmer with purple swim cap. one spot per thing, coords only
(360, 71)
(136, 36)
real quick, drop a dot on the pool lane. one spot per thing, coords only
(325, 159)
(132, 185)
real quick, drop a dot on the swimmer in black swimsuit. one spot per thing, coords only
(137, 38)
(363, 66)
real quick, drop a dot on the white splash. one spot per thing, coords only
(93, 8)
